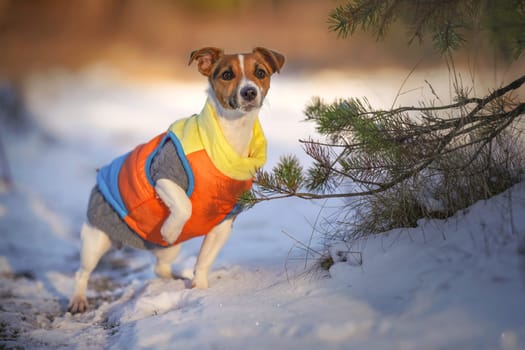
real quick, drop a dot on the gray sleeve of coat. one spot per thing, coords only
(167, 164)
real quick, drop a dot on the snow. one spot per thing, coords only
(447, 284)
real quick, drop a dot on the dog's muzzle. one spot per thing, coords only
(247, 98)
(248, 93)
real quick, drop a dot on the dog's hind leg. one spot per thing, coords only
(165, 257)
(95, 244)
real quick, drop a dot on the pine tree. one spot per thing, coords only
(419, 161)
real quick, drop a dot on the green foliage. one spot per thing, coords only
(353, 121)
(288, 174)
(286, 178)
(248, 199)
(336, 119)
(448, 23)
(363, 14)
(448, 38)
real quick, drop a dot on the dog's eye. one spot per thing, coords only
(260, 74)
(228, 75)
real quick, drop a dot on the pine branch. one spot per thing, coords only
(401, 150)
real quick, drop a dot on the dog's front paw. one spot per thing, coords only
(78, 304)
(163, 271)
(171, 229)
(199, 283)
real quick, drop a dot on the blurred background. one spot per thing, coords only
(153, 39)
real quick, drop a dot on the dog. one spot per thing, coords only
(186, 182)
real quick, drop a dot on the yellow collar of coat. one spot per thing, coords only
(202, 131)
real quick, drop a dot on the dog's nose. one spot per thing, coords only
(249, 93)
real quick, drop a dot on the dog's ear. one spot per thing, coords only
(206, 58)
(274, 59)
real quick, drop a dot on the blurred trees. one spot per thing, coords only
(154, 37)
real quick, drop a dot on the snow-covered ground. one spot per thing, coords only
(454, 284)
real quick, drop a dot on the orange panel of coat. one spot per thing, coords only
(213, 199)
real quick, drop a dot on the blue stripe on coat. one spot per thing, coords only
(107, 181)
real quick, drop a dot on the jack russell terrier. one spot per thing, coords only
(187, 181)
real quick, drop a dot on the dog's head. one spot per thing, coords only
(238, 81)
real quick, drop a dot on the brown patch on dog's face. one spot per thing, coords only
(239, 81)
(225, 80)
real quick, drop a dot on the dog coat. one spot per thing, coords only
(216, 177)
